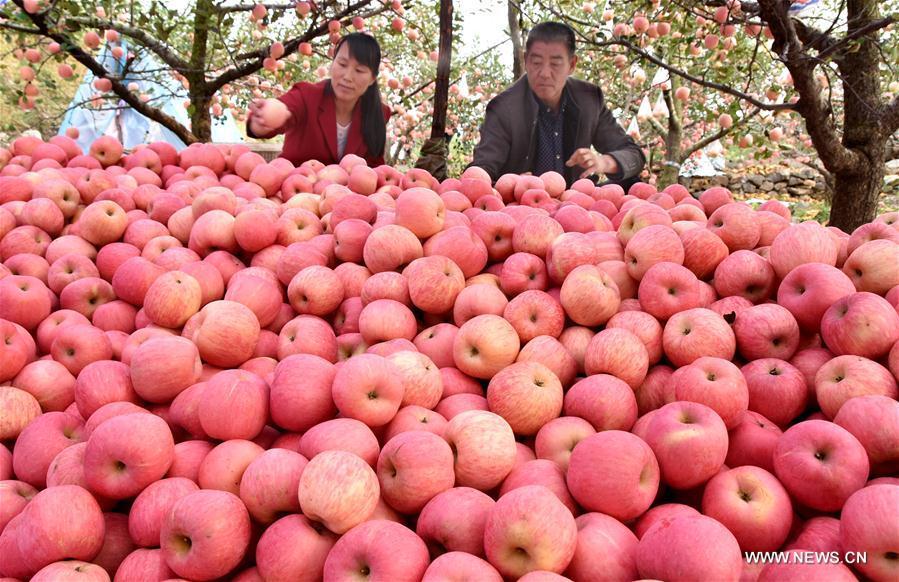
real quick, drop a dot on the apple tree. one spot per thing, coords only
(216, 49)
(831, 69)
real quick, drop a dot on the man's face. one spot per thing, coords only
(548, 65)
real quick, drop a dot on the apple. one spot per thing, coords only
(225, 333)
(484, 345)
(861, 324)
(529, 529)
(60, 522)
(820, 464)
(527, 395)
(172, 299)
(15, 496)
(695, 333)
(422, 383)
(358, 553)
(39, 443)
(752, 442)
(269, 484)
(534, 313)
(689, 440)
(341, 434)
(777, 389)
(556, 439)
(420, 210)
(162, 367)
(766, 331)
(151, 507)
(300, 410)
(205, 534)
(188, 458)
(307, 334)
(809, 289)
(752, 504)
(667, 288)
(874, 421)
(126, 453)
(606, 549)
(293, 548)
(845, 377)
(521, 272)
(434, 283)
(866, 526)
(735, 223)
(605, 401)
(589, 295)
(24, 300)
(715, 383)
(389, 247)
(338, 489)
(483, 445)
(367, 388)
(460, 566)
(615, 473)
(872, 266)
(234, 405)
(223, 467)
(618, 352)
(386, 319)
(808, 242)
(669, 550)
(745, 274)
(413, 467)
(454, 521)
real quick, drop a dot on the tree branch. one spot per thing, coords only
(161, 49)
(118, 87)
(710, 139)
(694, 79)
(255, 59)
(18, 28)
(818, 115)
(249, 7)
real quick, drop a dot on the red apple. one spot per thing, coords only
(205, 534)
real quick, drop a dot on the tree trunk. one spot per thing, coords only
(200, 117)
(856, 191)
(856, 196)
(441, 91)
(515, 36)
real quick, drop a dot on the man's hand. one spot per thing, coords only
(593, 162)
(267, 116)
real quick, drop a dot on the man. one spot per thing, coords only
(549, 120)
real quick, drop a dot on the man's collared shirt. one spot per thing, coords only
(549, 137)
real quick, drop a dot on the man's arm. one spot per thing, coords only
(492, 151)
(611, 139)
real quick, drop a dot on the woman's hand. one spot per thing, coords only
(593, 162)
(267, 116)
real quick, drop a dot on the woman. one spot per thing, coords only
(338, 116)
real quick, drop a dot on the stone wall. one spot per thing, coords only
(787, 180)
(783, 183)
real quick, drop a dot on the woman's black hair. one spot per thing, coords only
(365, 49)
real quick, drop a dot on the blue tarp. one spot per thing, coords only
(127, 125)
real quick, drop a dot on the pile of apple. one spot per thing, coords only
(218, 367)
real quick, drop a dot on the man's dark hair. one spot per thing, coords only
(552, 32)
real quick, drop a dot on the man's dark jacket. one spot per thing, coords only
(509, 132)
